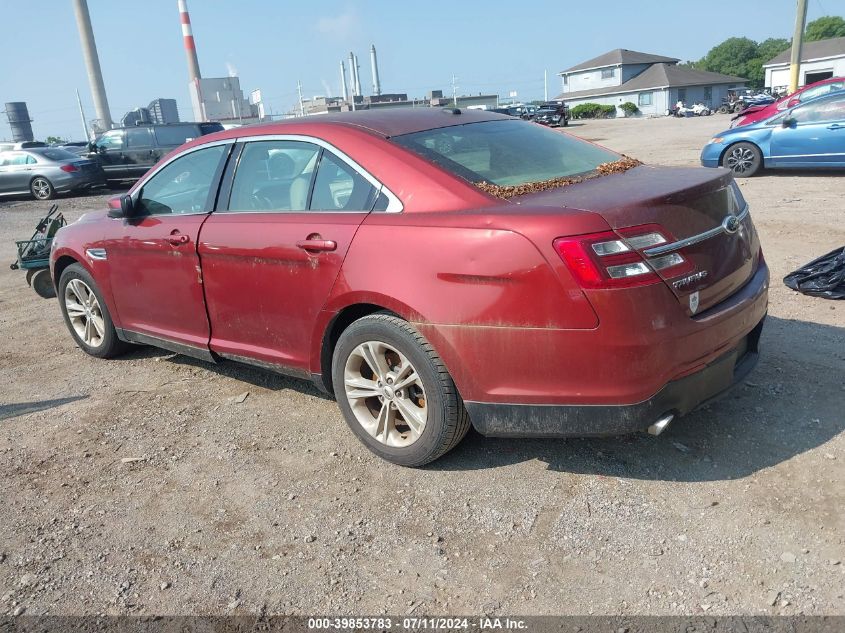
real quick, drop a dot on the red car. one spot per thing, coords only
(431, 269)
(761, 113)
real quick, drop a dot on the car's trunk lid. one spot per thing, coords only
(686, 202)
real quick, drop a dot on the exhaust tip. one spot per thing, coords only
(658, 427)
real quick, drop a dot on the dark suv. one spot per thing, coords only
(553, 114)
(127, 153)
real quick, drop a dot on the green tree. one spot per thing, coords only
(766, 50)
(824, 28)
(731, 57)
(55, 140)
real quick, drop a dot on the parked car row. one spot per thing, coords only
(119, 155)
(551, 113)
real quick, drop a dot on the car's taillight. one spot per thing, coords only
(69, 168)
(616, 260)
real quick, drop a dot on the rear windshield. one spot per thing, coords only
(57, 154)
(506, 152)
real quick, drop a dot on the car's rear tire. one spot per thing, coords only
(41, 188)
(395, 392)
(87, 315)
(743, 159)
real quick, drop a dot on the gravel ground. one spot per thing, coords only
(144, 486)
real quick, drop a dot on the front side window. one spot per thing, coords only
(184, 185)
(506, 152)
(338, 187)
(827, 110)
(274, 176)
(644, 99)
(111, 140)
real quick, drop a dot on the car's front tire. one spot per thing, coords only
(743, 159)
(41, 188)
(86, 314)
(395, 392)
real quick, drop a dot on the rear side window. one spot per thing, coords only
(506, 152)
(138, 137)
(173, 136)
(338, 187)
(14, 159)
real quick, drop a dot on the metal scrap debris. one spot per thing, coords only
(605, 169)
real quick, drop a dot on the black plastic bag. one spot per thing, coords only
(823, 277)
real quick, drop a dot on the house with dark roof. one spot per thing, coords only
(653, 82)
(819, 60)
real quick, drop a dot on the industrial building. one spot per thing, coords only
(213, 98)
(163, 111)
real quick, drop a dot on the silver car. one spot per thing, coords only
(45, 171)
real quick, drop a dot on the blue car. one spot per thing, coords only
(810, 135)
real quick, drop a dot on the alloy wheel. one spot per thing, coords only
(741, 160)
(385, 393)
(41, 188)
(84, 312)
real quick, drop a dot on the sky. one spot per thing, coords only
(490, 46)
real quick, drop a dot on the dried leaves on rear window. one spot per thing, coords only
(605, 169)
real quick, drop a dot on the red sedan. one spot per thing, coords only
(432, 269)
(761, 113)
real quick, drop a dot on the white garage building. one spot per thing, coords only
(819, 60)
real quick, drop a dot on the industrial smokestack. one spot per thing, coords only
(92, 62)
(357, 77)
(190, 45)
(374, 65)
(343, 81)
(352, 80)
(19, 121)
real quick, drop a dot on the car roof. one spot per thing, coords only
(386, 123)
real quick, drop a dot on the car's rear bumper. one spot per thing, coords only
(678, 397)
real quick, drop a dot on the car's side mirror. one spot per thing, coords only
(121, 207)
(789, 122)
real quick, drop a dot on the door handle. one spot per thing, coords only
(835, 126)
(178, 238)
(317, 245)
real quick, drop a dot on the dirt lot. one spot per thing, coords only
(271, 505)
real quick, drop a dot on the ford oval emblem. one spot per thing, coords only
(731, 224)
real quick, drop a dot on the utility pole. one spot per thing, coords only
(454, 91)
(797, 43)
(545, 85)
(299, 92)
(82, 116)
